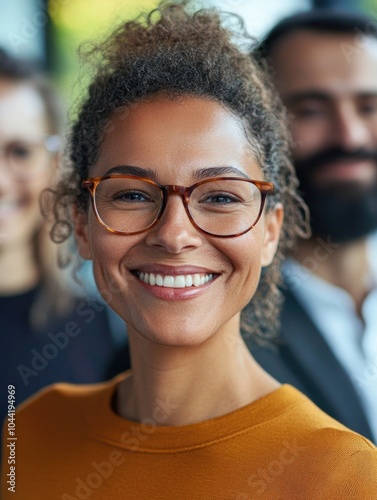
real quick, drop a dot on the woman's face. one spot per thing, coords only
(22, 122)
(175, 141)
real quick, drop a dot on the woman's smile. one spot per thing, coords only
(172, 271)
(178, 281)
(174, 283)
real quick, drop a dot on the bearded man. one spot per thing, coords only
(324, 65)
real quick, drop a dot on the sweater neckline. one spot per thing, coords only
(152, 436)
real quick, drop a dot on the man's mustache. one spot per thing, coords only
(318, 160)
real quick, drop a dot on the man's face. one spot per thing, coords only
(329, 85)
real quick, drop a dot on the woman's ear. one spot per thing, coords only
(80, 222)
(273, 224)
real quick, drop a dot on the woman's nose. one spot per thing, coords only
(174, 232)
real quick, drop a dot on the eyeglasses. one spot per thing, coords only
(27, 159)
(222, 206)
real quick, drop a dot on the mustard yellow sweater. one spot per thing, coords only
(71, 445)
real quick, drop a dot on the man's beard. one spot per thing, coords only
(344, 210)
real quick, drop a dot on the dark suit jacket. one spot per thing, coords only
(303, 359)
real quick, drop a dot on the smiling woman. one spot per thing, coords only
(176, 187)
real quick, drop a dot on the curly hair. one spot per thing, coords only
(181, 53)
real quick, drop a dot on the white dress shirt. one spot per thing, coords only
(353, 340)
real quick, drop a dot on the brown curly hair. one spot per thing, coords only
(181, 53)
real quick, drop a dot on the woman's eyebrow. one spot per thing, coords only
(205, 173)
(132, 170)
(201, 174)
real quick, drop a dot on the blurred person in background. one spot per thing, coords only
(46, 335)
(325, 68)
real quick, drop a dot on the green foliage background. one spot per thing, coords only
(74, 22)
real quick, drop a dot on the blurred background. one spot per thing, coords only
(50, 31)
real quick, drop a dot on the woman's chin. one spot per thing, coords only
(175, 337)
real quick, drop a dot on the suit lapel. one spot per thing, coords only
(318, 367)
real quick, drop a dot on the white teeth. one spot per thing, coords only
(180, 281)
(196, 280)
(188, 280)
(169, 281)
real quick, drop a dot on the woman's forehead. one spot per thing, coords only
(178, 133)
(22, 110)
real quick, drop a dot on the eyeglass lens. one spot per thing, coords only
(223, 207)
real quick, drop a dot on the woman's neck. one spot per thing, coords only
(18, 271)
(180, 386)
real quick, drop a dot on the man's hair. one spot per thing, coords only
(321, 21)
(176, 53)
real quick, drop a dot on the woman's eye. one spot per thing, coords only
(20, 151)
(221, 199)
(132, 197)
